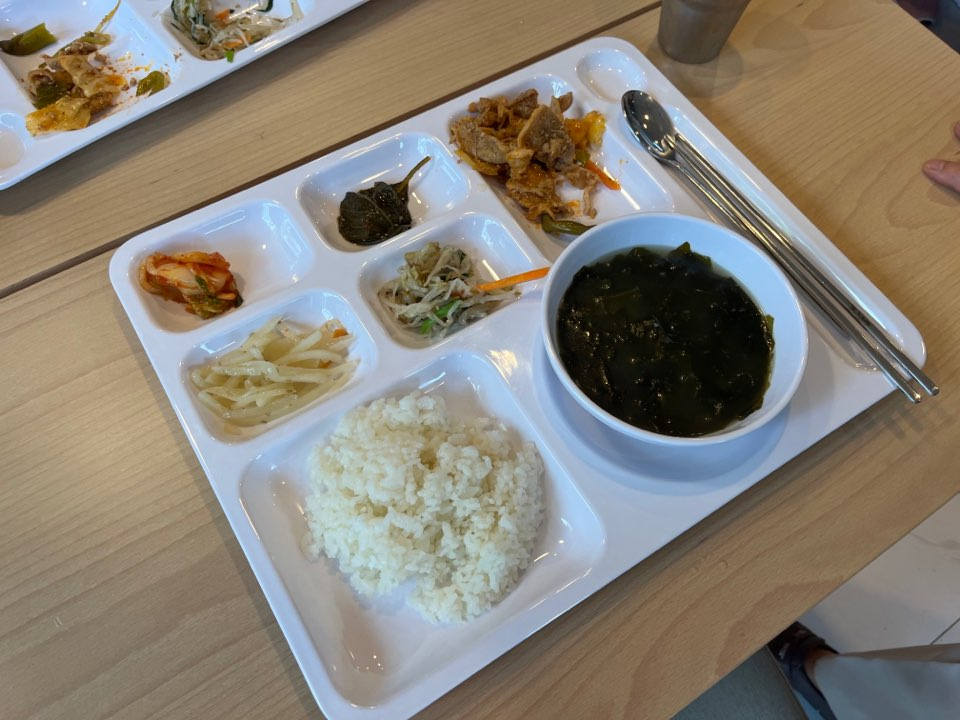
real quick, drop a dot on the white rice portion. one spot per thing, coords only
(402, 493)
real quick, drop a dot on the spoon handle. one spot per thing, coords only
(746, 218)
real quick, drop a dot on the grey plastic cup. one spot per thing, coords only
(694, 31)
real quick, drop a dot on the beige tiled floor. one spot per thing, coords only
(910, 595)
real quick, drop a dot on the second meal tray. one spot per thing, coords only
(143, 38)
(610, 501)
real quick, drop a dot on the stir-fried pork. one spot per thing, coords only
(529, 145)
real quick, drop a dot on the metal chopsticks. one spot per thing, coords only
(842, 310)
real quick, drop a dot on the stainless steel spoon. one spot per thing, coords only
(654, 129)
(649, 122)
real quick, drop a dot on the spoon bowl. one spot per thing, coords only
(650, 123)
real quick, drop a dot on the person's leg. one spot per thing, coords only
(795, 649)
(899, 684)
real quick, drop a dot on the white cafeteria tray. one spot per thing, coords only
(143, 40)
(611, 502)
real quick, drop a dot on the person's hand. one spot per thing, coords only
(945, 172)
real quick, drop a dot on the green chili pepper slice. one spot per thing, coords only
(562, 227)
(96, 38)
(48, 94)
(29, 41)
(151, 83)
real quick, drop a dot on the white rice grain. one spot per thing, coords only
(401, 493)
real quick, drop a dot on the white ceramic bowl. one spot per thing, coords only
(731, 254)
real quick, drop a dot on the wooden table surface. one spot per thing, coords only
(123, 593)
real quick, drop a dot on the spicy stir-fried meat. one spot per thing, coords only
(533, 148)
(202, 281)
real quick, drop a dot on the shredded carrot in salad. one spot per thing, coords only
(513, 280)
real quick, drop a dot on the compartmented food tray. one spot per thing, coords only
(610, 501)
(144, 38)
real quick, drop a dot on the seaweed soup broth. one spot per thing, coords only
(665, 341)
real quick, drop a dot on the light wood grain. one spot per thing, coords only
(123, 593)
(115, 556)
(363, 70)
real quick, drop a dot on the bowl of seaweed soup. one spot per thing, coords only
(674, 329)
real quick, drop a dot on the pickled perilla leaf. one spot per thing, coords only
(372, 215)
(29, 41)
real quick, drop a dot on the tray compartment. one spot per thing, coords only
(65, 20)
(496, 252)
(134, 51)
(261, 241)
(13, 138)
(437, 188)
(281, 9)
(306, 311)
(644, 188)
(373, 649)
(609, 74)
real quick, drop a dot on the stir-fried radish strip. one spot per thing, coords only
(275, 372)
